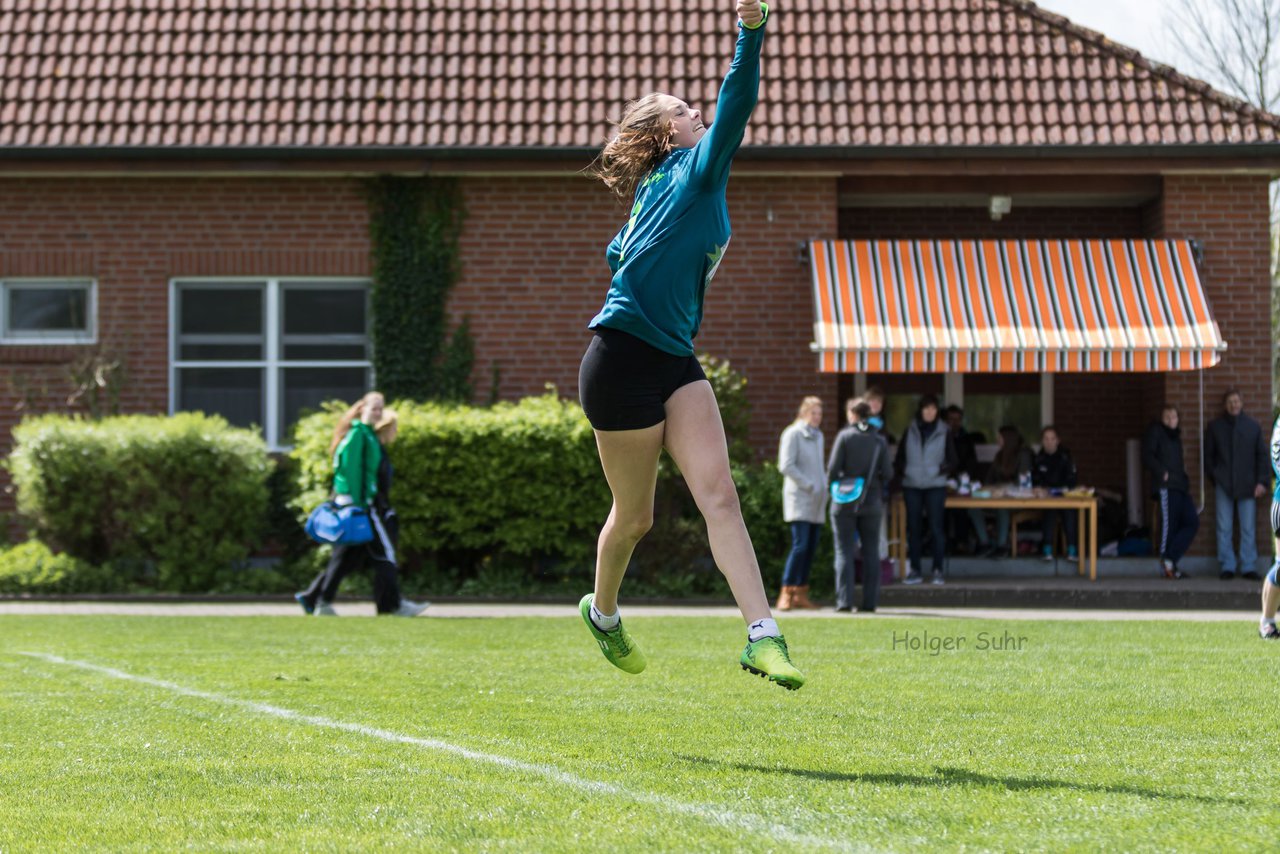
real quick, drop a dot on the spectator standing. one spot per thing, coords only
(1170, 485)
(959, 525)
(966, 444)
(804, 500)
(859, 452)
(1235, 455)
(926, 457)
(874, 396)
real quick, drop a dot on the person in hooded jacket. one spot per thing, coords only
(926, 458)
(1170, 485)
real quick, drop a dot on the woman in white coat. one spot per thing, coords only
(804, 499)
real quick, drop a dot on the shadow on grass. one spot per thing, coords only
(948, 777)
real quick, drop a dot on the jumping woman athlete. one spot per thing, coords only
(641, 386)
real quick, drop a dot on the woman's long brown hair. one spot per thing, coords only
(1006, 461)
(343, 426)
(644, 139)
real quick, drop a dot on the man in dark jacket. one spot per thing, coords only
(1235, 454)
(1052, 468)
(1179, 521)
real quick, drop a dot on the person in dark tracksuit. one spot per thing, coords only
(925, 458)
(362, 475)
(1179, 520)
(859, 451)
(1052, 468)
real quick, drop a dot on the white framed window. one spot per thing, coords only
(48, 311)
(260, 351)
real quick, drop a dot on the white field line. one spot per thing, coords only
(705, 812)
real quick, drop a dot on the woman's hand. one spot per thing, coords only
(750, 13)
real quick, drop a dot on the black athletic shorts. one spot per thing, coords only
(624, 382)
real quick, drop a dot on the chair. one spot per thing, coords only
(1016, 517)
(1028, 516)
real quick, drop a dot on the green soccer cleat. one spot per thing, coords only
(616, 645)
(768, 657)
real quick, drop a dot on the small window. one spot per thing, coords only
(48, 312)
(265, 351)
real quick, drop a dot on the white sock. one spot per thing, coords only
(1266, 621)
(767, 628)
(604, 623)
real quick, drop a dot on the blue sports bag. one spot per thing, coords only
(346, 525)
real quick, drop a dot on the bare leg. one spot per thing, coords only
(695, 439)
(630, 462)
(1270, 599)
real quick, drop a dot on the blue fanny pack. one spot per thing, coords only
(849, 490)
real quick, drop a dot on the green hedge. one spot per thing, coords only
(31, 568)
(175, 499)
(516, 478)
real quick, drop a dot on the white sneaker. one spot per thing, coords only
(324, 609)
(937, 577)
(410, 609)
(913, 577)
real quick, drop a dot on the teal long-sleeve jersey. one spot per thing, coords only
(666, 254)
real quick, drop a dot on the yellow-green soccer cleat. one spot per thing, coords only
(616, 645)
(768, 657)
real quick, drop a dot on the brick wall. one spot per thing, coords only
(534, 275)
(976, 224)
(133, 234)
(1229, 215)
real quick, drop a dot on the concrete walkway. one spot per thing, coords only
(461, 610)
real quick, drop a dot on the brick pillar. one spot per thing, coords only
(1229, 216)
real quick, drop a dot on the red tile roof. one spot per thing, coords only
(500, 73)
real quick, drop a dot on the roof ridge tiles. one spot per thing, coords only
(1138, 59)
(317, 72)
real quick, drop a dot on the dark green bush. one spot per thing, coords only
(517, 478)
(730, 388)
(178, 499)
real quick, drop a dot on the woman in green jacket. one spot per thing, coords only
(362, 476)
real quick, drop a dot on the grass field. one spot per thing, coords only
(287, 733)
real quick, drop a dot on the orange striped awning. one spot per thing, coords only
(966, 306)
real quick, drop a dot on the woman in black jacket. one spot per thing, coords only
(1179, 520)
(1052, 468)
(859, 452)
